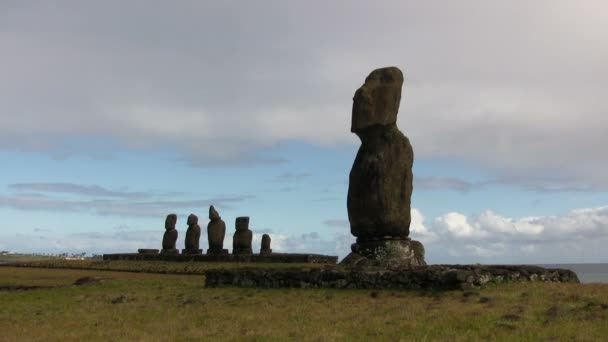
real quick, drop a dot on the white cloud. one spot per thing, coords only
(575, 236)
(417, 228)
(489, 226)
(456, 225)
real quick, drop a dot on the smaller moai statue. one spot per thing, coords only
(193, 235)
(241, 241)
(170, 236)
(265, 245)
(216, 231)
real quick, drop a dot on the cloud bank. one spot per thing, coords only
(516, 87)
(577, 236)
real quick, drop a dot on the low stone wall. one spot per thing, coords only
(270, 258)
(445, 277)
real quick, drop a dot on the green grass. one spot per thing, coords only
(26, 258)
(162, 307)
(171, 267)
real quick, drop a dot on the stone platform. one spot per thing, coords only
(440, 277)
(392, 253)
(271, 258)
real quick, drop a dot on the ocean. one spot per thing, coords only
(587, 273)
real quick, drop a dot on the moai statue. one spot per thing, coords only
(265, 245)
(216, 231)
(170, 236)
(193, 235)
(380, 182)
(241, 242)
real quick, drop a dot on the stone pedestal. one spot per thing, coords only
(172, 251)
(192, 251)
(242, 251)
(217, 251)
(389, 254)
(147, 251)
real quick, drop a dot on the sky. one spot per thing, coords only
(114, 114)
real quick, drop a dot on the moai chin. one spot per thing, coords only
(216, 232)
(241, 241)
(193, 235)
(380, 181)
(170, 236)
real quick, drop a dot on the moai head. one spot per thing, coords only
(213, 214)
(376, 102)
(192, 220)
(170, 221)
(242, 223)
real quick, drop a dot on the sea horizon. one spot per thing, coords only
(587, 272)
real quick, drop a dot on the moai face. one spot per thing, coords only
(377, 101)
(242, 223)
(213, 214)
(192, 220)
(171, 221)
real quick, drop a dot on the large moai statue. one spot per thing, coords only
(241, 241)
(170, 236)
(380, 182)
(216, 231)
(193, 235)
(265, 248)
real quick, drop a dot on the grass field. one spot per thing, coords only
(161, 307)
(26, 258)
(170, 267)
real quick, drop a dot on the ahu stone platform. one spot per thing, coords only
(254, 258)
(439, 277)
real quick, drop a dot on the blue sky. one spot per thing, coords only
(115, 114)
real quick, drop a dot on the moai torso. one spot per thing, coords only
(265, 249)
(380, 182)
(241, 242)
(170, 236)
(193, 234)
(216, 231)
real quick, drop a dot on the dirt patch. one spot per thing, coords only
(505, 326)
(119, 299)
(86, 280)
(11, 288)
(486, 299)
(511, 317)
(553, 313)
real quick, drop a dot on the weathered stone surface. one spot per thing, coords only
(226, 257)
(216, 232)
(169, 251)
(193, 234)
(376, 102)
(192, 251)
(216, 251)
(241, 241)
(170, 236)
(265, 249)
(439, 277)
(380, 182)
(388, 254)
